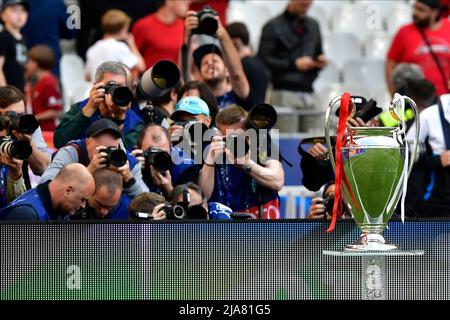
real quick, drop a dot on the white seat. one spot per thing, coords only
(330, 6)
(365, 72)
(320, 15)
(72, 72)
(330, 75)
(253, 15)
(399, 17)
(275, 7)
(356, 19)
(376, 45)
(326, 94)
(341, 47)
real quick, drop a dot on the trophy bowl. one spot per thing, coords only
(375, 163)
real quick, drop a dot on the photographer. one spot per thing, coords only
(197, 203)
(107, 202)
(11, 179)
(12, 105)
(53, 200)
(322, 208)
(147, 206)
(100, 149)
(101, 104)
(162, 164)
(218, 63)
(244, 185)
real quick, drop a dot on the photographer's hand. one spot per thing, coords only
(175, 132)
(162, 181)
(216, 151)
(355, 123)
(190, 23)
(319, 151)
(159, 215)
(38, 159)
(14, 166)
(98, 160)
(96, 96)
(316, 209)
(138, 154)
(124, 170)
(445, 159)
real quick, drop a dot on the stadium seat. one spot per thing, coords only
(328, 76)
(72, 74)
(400, 16)
(275, 7)
(376, 45)
(365, 72)
(240, 11)
(383, 97)
(341, 47)
(320, 15)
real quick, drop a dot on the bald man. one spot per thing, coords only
(55, 199)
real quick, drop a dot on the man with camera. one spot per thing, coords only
(100, 149)
(107, 202)
(163, 165)
(53, 200)
(24, 128)
(218, 63)
(243, 184)
(109, 98)
(11, 179)
(322, 208)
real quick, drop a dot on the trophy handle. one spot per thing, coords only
(417, 122)
(327, 130)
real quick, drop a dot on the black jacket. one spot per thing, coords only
(281, 45)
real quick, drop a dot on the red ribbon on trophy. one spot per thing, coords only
(341, 139)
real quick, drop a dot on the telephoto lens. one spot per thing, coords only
(262, 116)
(115, 156)
(20, 149)
(159, 159)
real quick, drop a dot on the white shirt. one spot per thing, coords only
(109, 50)
(431, 127)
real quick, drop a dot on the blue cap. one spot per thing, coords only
(191, 105)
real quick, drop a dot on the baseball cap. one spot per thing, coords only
(434, 4)
(191, 105)
(203, 50)
(7, 3)
(103, 125)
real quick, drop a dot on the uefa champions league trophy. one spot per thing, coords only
(373, 164)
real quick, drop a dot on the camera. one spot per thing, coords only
(193, 132)
(368, 111)
(115, 156)
(207, 22)
(15, 149)
(176, 212)
(159, 159)
(23, 123)
(121, 95)
(86, 213)
(162, 77)
(237, 144)
(329, 204)
(262, 116)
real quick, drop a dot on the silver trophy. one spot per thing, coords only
(376, 162)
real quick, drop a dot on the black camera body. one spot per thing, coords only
(207, 22)
(23, 123)
(121, 95)
(329, 204)
(17, 149)
(368, 111)
(115, 157)
(176, 212)
(237, 144)
(86, 213)
(159, 159)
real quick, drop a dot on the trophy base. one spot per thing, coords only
(371, 242)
